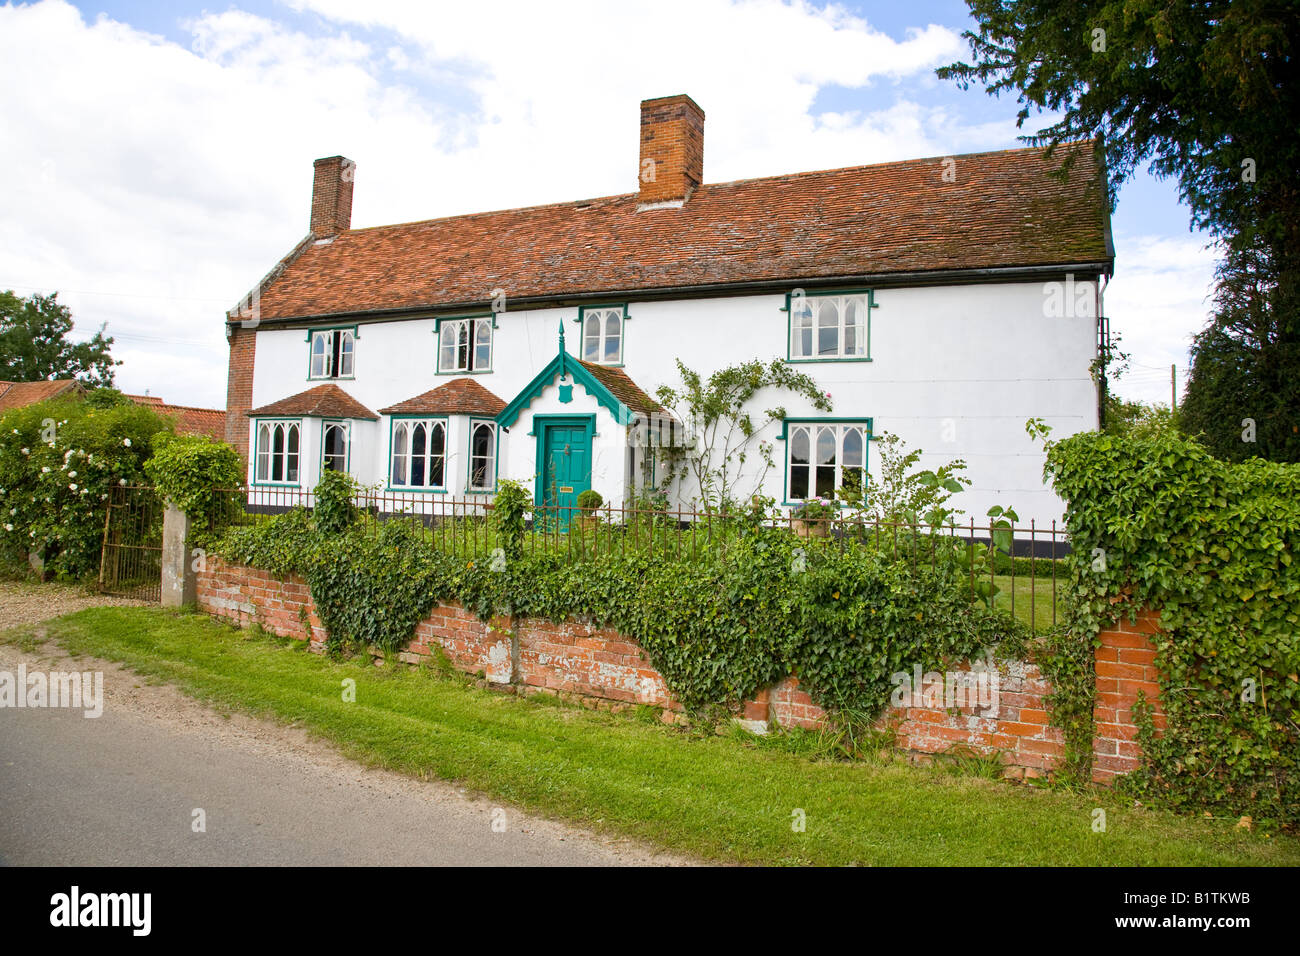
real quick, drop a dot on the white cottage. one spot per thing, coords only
(945, 300)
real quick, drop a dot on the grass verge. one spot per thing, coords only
(730, 797)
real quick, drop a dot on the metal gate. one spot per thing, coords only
(130, 563)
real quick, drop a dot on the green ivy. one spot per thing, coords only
(843, 619)
(196, 473)
(1155, 521)
(336, 502)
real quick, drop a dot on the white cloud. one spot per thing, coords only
(165, 179)
(1158, 300)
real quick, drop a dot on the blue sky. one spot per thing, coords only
(204, 119)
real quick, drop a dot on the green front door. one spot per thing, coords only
(566, 466)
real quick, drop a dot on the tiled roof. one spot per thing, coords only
(189, 420)
(22, 394)
(460, 396)
(323, 401)
(1002, 210)
(624, 389)
(197, 421)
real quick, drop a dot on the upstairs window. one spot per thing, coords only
(419, 454)
(602, 335)
(334, 447)
(830, 327)
(276, 453)
(482, 456)
(332, 353)
(465, 345)
(824, 458)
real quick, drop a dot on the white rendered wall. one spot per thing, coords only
(955, 371)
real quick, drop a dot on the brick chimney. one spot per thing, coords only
(331, 196)
(672, 149)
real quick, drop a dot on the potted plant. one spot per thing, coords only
(812, 519)
(588, 502)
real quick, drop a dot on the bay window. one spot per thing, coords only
(482, 455)
(419, 454)
(276, 452)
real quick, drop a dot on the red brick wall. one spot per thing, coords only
(672, 139)
(239, 386)
(246, 596)
(331, 196)
(603, 667)
(1125, 664)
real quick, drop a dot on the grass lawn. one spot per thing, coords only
(1033, 599)
(726, 798)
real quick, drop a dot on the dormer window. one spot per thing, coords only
(465, 345)
(332, 353)
(602, 335)
(833, 327)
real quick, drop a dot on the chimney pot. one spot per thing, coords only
(672, 149)
(331, 196)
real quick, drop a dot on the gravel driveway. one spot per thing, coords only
(23, 602)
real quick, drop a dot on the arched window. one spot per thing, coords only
(465, 345)
(276, 453)
(602, 335)
(828, 327)
(826, 459)
(482, 456)
(332, 353)
(334, 447)
(419, 453)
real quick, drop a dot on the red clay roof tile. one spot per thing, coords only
(323, 401)
(460, 396)
(22, 394)
(1002, 210)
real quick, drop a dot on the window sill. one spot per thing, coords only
(415, 491)
(809, 361)
(477, 371)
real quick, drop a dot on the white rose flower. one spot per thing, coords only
(9, 527)
(121, 481)
(72, 487)
(24, 451)
(45, 470)
(72, 474)
(126, 442)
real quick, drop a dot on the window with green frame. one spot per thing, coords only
(824, 457)
(602, 334)
(419, 454)
(482, 455)
(829, 327)
(334, 446)
(276, 451)
(465, 345)
(333, 353)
